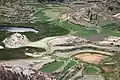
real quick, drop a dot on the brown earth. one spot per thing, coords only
(90, 58)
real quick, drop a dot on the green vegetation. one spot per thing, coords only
(69, 65)
(91, 69)
(77, 30)
(8, 54)
(51, 13)
(54, 11)
(41, 24)
(112, 26)
(40, 16)
(3, 35)
(51, 67)
(18, 53)
(111, 32)
(45, 30)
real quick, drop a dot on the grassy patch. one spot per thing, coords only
(51, 13)
(91, 69)
(3, 35)
(39, 16)
(111, 33)
(112, 26)
(76, 29)
(69, 65)
(54, 12)
(82, 31)
(51, 67)
(46, 30)
(48, 12)
(8, 54)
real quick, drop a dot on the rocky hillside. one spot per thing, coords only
(17, 73)
(16, 11)
(21, 11)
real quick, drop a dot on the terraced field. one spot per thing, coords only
(67, 50)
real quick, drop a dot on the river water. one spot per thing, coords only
(18, 29)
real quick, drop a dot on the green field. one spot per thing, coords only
(39, 16)
(51, 67)
(46, 30)
(52, 12)
(8, 54)
(76, 29)
(69, 65)
(91, 69)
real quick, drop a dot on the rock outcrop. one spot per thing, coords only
(17, 73)
(16, 40)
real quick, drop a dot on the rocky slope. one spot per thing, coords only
(21, 11)
(16, 40)
(18, 73)
(16, 11)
